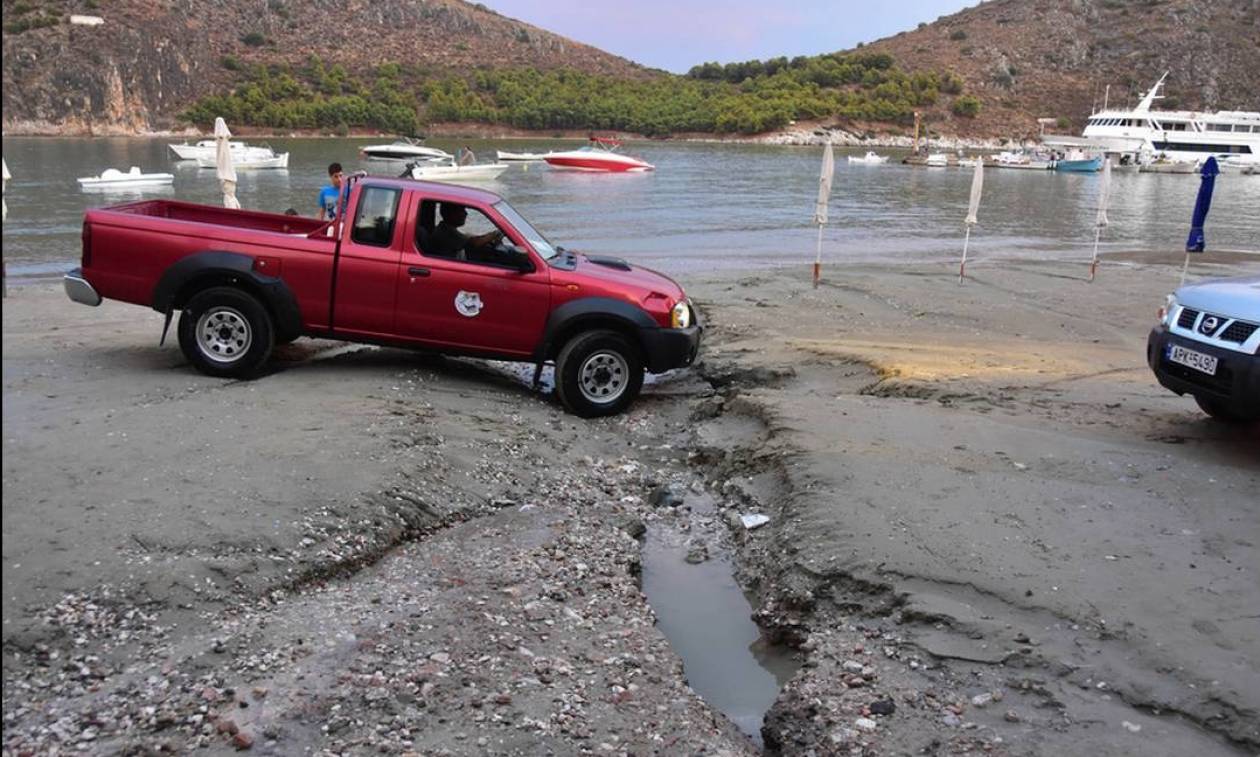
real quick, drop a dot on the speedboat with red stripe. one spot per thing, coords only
(600, 155)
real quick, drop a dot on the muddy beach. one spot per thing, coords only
(990, 531)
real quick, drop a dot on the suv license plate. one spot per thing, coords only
(1191, 359)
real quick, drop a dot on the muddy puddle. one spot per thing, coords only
(708, 620)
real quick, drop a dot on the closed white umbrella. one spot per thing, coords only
(1104, 199)
(223, 163)
(977, 186)
(820, 207)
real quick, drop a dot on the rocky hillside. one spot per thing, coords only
(152, 58)
(1029, 59)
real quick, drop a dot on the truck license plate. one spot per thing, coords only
(1191, 359)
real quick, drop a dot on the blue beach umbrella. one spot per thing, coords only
(1196, 242)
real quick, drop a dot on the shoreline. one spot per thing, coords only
(803, 135)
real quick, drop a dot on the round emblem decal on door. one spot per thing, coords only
(468, 304)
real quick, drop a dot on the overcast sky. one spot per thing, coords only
(677, 34)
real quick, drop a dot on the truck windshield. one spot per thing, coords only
(536, 240)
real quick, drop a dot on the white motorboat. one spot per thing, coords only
(937, 160)
(112, 177)
(1021, 160)
(250, 160)
(1171, 166)
(600, 155)
(453, 173)
(522, 157)
(1245, 164)
(403, 150)
(207, 148)
(870, 158)
(970, 162)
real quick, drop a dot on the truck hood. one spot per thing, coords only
(616, 274)
(1233, 298)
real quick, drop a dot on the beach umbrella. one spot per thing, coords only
(1104, 199)
(223, 163)
(977, 186)
(1196, 241)
(820, 207)
(7, 176)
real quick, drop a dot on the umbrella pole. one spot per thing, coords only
(1184, 267)
(962, 267)
(1093, 265)
(818, 258)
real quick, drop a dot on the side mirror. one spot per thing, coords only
(518, 259)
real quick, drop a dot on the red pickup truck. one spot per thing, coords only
(395, 267)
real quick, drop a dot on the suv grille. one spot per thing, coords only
(1238, 331)
(1187, 318)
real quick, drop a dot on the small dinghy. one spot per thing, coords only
(869, 158)
(112, 177)
(521, 157)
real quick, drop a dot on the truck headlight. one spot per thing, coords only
(681, 315)
(1166, 312)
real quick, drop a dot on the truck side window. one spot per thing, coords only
(375, 216)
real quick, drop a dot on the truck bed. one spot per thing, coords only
(251, 220)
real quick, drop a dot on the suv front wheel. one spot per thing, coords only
(1222, 411)
(598, 373)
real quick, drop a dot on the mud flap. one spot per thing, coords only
(170, 312)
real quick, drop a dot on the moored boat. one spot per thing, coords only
(253, 160)
(112, 177)
(937, 160)
(870, 158)
(403, 150)
(453, 173)
(521, 157)
(601, 156)
(207, 148)
(1171, 166)
(1021, 160)
(1079, 165)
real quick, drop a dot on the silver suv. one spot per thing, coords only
(1207, 344)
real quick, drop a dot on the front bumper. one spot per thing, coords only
(79, 290)
(666, 349)
(1237, 379)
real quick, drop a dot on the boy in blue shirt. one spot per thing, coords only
(330, 195)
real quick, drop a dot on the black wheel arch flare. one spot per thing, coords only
(195, 272)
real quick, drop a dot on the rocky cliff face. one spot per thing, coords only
(1030, 59)
(151, 58)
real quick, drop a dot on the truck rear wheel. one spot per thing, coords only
(1221, 411)
(226, 332)
(598, 373)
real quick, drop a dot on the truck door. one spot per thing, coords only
(364, 282)
(465, 300)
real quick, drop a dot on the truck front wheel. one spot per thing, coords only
(226, 332)
(598, 373)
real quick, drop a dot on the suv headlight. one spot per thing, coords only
(681, 315)
(1166, 312)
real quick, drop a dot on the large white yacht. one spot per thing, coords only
(1177, 134)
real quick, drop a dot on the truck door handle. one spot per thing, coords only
(414, 271)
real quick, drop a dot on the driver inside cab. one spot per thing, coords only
(448, 241)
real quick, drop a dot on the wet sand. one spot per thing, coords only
(983, 510)
(990, 474)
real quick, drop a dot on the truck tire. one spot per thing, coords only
(1221, 411)
(598, 373)
(226, 332)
